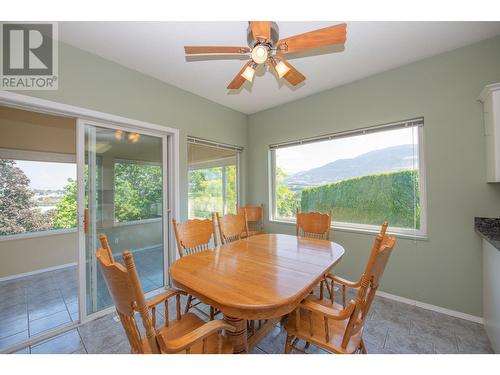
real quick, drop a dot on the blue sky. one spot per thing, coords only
(47, 175)
(300, 158)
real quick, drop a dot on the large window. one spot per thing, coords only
(363, 178)
(36, 195)
(212, 178)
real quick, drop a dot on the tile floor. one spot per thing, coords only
(149, 265)
(392, 328)
(32, 305)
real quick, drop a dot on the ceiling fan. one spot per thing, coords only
(264, 46)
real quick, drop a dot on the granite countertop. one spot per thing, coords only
(489, 229)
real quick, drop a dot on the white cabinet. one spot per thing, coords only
(490, 97)
(491, 293)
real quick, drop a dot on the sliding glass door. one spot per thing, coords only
(124, 196)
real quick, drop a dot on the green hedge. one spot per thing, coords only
(369, 199)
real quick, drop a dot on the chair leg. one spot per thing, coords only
(188, 304)
(288, 344)
(363, 347)
(328, 289)
(282, 320)
(252, 327)
(306, 346)
(212, 313)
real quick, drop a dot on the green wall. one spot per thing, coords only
(92, 82)
(444, 270)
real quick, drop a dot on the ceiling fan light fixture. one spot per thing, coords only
(260, 54)
(281, 69)
(266, 48)
(248, 73)
(134, 137)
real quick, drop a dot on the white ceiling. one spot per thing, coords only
(156, 49)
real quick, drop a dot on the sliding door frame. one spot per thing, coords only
(171, 201)
(82, 125)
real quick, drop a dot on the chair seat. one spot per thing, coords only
(188, 323)
(336, 329)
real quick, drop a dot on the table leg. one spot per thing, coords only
(260, 333)
(239, 336)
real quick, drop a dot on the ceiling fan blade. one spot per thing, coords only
(293, 76)
(261, 30)
(192, 50)
(238, 80)
(313, 39)
(215, 57)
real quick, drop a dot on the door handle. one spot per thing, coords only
(86, 220)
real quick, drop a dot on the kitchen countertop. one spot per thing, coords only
(489, 229)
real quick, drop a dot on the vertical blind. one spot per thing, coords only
(349, 133)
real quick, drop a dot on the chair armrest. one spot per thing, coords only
(347, 283)
(163, 296)
(200, 333)
(328, 311)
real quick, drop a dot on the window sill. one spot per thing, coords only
(341, 228)
(137, 222)
(45, 233)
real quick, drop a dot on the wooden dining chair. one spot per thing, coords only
(255, 219)
(330, 280)
(185, 334)
(335, 328)
(194, 236)
(232, 227)
(313, 225)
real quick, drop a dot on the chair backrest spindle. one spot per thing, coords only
(141, 305)
(105, 246)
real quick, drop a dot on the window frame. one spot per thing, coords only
(38, 156)
(418, 234)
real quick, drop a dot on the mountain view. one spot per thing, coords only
(390, 159)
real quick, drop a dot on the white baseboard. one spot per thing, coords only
(17, 276)
(427, 306)
(146, 248)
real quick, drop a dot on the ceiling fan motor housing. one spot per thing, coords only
(274, 35)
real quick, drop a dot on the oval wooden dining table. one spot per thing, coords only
(263, 277)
